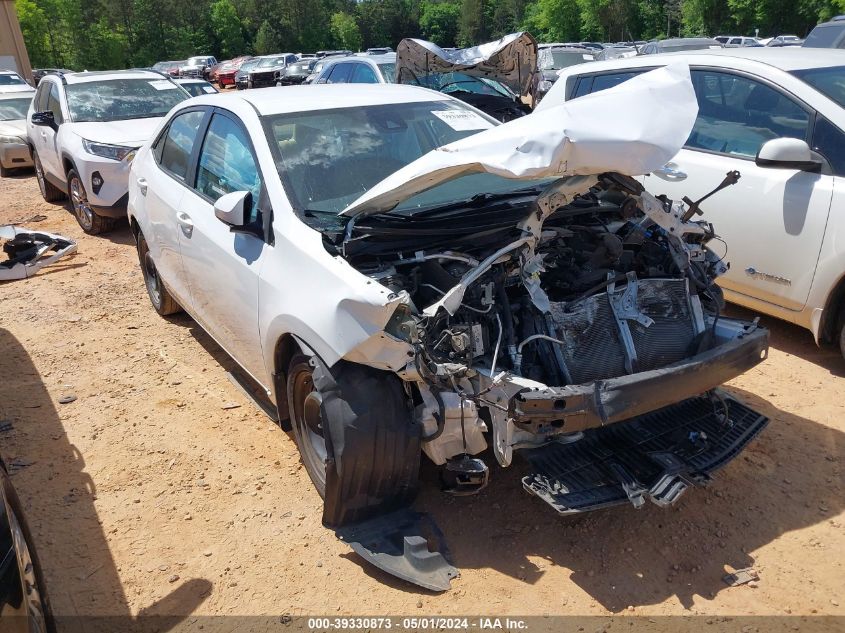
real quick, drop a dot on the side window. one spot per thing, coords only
(227, 163)
(829, 141)
(340, 74)
(736, 115)
(42, 96)
(174, 149)
(594, 83)
(363, 74)
(53, 103)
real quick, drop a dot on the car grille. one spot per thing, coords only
(194, 73)
(263, 76)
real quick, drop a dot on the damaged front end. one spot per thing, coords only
(574, 318)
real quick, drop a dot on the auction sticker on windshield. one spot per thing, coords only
(462, 120)
(163, 84)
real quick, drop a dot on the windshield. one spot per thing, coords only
(460, 82)
(121, 99)
(247, 65)
(328, 158)
(828, 81)
(11, 80)
(197, 61)
(388, 71)
(14, 109)
(272, 61)
(556, 60)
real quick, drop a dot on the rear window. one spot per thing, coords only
(828, 81)
(826, 36)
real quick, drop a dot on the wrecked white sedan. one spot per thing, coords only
(403, 275)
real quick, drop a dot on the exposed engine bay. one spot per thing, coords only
(519, 314)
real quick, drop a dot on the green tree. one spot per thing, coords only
(345, 30)
(266, 40)
(439, 22)
(227, 28)
(554, 20)
(472, 27)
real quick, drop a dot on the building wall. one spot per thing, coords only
(13, 55)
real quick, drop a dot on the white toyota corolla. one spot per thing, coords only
(403, 275)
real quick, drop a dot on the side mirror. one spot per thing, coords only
(45, 119)
(788, 153)
(231, 208)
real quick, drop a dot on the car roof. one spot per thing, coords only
(389, 58)
(104, 75)
(286, 99)
(786, 59)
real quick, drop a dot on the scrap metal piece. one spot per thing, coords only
(30, 251)
(401, 543)
(740, 577)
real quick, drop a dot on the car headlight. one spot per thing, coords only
(13, 140)
(115, 152)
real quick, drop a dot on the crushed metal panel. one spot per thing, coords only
(511, 60)
(29, 251)
(401, 543)
(582, 137)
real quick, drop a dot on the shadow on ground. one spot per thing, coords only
(50, 477)
(622, 556)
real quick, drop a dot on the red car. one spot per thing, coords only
(226, 71)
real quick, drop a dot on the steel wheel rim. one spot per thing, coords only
(307, 401)
(29, 582)
(81, 208)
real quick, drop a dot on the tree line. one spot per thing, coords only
(106, 34)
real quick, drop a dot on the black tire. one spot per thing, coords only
(161, 299)
(842, 334)
(49, 192)
(33, 591)
(86, 217)
(371, 444)
(5, 172)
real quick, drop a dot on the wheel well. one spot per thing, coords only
(67, 164)
(286, 349)
(136, 230)
(834, 313)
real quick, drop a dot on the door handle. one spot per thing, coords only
(670, 172)
(184, 220)
(142, 185)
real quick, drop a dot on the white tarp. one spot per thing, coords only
(632, 129)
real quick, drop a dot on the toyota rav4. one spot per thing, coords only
(83, 130)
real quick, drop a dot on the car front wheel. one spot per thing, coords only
(87, 218)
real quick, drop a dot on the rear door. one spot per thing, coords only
(223, 266)
(166, 183)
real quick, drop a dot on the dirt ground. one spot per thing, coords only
(161, 489)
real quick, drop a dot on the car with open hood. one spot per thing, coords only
(498, 77)
(14, 149)
(404, 277)
(83, 130)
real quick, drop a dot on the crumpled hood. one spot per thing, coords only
(511, 60)
(130, 133)
(632, 129)
(13, 128)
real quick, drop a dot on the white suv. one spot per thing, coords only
(83, 130)
(776, 115)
